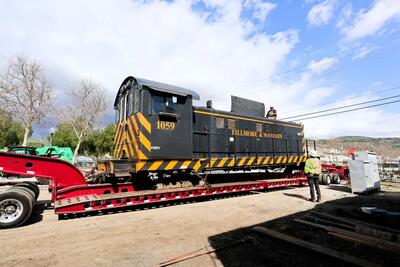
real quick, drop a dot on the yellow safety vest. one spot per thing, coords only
(313, 166)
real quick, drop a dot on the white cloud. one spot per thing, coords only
(344, 15)
(321, 65)
(363, 50)
(317, 95)
(367, 122)
(369, 22)
(321, 13)
(261, 8)
(168, 42)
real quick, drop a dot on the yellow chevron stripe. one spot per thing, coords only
(250, 161)
(134, 144)
(116, 140)
(141, 156)
(290, 159)
(146, 124)
(222, 162)
(241, 162)
(171, 164)
(135, 124)
(197, 166)
(259, 160)
(155, 165)
(145, 142)
(296, 158)
(140, 165)
(266, 160)
(284, 159)
(185, 164)
(212, 162)
(121, 144)
(127, 150)
(117, 133)
(231, 163)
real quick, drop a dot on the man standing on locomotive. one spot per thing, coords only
(313, 169)
(272, 114)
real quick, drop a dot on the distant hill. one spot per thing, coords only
(386, 146)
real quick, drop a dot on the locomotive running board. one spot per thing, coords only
(90, 203)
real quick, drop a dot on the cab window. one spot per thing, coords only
(168, 104)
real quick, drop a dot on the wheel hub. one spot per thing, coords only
(10, 210)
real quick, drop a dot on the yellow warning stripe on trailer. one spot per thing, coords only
(217, 163)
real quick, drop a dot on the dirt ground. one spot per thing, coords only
(147, 237)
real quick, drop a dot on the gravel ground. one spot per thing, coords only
(147, 237)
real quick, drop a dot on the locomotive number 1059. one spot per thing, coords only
(165, 125)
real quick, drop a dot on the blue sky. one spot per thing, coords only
(298, 55)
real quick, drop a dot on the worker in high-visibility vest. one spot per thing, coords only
(313, 169)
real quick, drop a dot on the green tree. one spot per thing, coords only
(105, 142)
(64, 136)
(100, 142)
(11, 132)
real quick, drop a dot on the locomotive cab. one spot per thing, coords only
(154, 121)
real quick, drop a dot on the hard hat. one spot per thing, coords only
(312, 153)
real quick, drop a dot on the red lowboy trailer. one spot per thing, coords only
(71, 194)
(332, 173)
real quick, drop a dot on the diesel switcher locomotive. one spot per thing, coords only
(160, 134)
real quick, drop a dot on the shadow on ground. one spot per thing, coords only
(37, 213)
(296, 196)
(261, 250)
(340, 188)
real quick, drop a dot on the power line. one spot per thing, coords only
(350, 110)
(347, 98)
(347, 106)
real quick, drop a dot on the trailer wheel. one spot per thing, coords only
(31, 186)
(321, 178)
(15, 208)
(336, 178)
(326, 178)
(30, 194)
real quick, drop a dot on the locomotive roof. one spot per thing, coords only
(156, 86)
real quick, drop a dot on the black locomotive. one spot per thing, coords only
(158, 131)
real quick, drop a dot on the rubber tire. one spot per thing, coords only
(321, 178)
(25, 190)
(26, 203)
(326, 178)
(336, 178)
(31, 186)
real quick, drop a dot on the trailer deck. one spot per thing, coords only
(93, 202)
